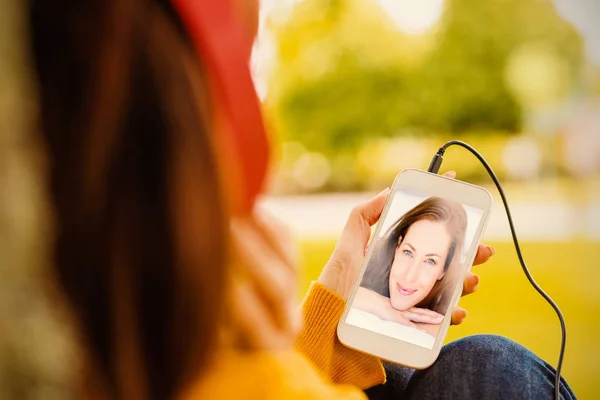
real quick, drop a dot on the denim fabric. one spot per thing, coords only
(476, 367)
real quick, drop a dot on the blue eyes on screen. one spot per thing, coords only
(409, 253)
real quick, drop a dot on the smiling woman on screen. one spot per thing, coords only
(414, 264)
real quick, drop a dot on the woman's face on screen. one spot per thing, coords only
(418, 263)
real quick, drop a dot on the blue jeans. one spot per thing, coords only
(476, 367)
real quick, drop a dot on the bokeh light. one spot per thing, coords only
(413, 17)
(537, 75)
(312, 170)
(522, 158)
(582, 140)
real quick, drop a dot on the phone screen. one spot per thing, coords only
(416, 261)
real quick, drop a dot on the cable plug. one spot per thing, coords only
(436, 161)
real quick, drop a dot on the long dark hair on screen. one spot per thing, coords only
(140, 251)
(454, 218)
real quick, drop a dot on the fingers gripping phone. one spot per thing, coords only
(411, 278)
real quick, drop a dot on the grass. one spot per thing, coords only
(507, 305)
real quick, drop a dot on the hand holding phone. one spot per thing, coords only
(411, 278)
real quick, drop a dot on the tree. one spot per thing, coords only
(346, 72)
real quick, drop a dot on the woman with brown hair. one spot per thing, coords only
(179, 286)
(415, 266)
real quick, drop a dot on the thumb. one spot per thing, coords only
(358, 227)
(343, 266)
(372, 209)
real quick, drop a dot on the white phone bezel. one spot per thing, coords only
(394, 350)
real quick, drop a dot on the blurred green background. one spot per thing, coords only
(355, 91)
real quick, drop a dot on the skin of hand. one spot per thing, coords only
(342, 269)
(376, 304)
(263, 304)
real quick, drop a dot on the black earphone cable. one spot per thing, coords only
(434, 167)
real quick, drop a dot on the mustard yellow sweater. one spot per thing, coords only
(320, 367)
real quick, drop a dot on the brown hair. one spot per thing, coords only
(141, 230)
(448, 212)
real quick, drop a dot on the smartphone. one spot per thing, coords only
(412, 276)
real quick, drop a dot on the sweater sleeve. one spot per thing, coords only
(318, 341)
(320, 367)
